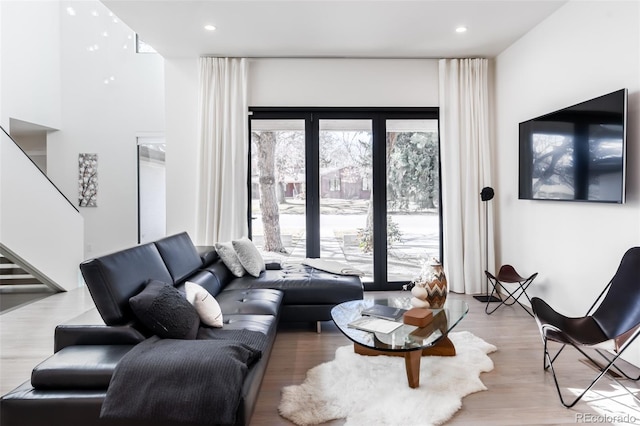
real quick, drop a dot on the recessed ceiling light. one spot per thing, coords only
(209, 27)
(461, 29)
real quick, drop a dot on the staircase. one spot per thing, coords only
(14, 278)
(18, 287)
(41, 231)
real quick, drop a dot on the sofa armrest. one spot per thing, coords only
(68, 335)
(273, 266)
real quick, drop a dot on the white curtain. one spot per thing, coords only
(221, 213)
(466, 169)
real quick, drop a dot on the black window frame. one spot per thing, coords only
(378, 117)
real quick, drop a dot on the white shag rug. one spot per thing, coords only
(373, 390)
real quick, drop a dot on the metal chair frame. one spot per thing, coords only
(511, 296)
(619, 330)
(606, 355)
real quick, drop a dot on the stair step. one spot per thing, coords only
(12, 270)
(28, 279)
(25, 288)
(13, 277)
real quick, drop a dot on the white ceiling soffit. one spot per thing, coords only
(324, 28)
(19, 128)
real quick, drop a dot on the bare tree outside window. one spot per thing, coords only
(265, 143)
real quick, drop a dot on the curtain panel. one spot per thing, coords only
(222, 194)
(466, 169)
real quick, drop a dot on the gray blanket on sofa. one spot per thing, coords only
(185, 381)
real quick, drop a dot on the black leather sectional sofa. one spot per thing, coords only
(69, 388)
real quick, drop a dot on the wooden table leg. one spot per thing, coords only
(444, 347)
(412, 365)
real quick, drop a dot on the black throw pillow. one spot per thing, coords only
(165, 311)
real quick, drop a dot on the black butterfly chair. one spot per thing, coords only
(607, 329)
(508, 274)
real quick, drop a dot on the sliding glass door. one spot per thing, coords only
(359, 186)
(346, 208)
(413, 196)
(278, 213)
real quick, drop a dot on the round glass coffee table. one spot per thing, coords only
(407, 341)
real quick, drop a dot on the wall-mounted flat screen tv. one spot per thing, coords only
(576, 153)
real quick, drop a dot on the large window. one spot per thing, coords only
(346, 154)
(413, 196)
(356, 186)
(278, 214)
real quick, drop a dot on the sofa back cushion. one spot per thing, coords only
(180, 256)
(221, 272)
(205, 279)
(114, 278)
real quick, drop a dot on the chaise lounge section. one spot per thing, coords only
(71, 386)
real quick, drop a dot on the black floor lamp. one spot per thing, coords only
(485, 195)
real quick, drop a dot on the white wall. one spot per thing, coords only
(283, 82)
(38, 225)
(181, 91)
(343, 82)
(30, 61)
(584, 50)
(54, 76)
(110, 95)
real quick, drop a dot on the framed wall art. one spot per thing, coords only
(88, 180)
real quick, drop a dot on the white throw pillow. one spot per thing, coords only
(228, 255)
(206, 305)
(249, 256)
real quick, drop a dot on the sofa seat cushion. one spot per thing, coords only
(195, 382)
(266, 324)
(26, 406)
(303, 285)
(250, 301)
(79, 367)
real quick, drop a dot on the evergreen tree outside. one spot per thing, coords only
(413, 172)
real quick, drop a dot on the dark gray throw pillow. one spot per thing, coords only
(165, 311)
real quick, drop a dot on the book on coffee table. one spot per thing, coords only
(384, 312)
(373, 324)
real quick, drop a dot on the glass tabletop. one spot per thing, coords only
(406, 337)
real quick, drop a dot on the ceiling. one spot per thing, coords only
(325, 28)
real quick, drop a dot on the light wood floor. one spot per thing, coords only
(519, 391)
